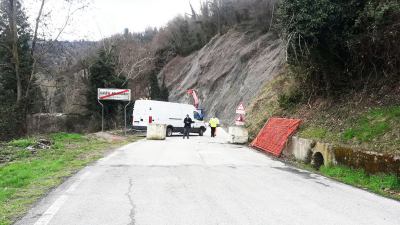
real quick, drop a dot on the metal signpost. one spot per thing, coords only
(114, 95)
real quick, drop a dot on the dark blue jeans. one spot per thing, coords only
(186, 131)
(213, 131)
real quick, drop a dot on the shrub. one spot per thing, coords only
(22, 143)
(341, 44)
(288, 101)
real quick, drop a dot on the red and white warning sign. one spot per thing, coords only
(240, 109)
(113, 94)
(239, 121)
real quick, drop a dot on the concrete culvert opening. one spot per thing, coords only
(317, 160)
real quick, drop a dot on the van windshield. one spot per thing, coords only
(197, 116)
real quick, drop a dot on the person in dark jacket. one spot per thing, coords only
(186, 129)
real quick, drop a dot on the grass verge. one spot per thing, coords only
(27, 175)
(373, 124)
(379, 183)
(387, 185)
(375, 129)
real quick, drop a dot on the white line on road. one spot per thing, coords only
(48, 215)
(74, 185)
(53, 209)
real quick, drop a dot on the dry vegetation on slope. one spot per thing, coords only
(367, 121)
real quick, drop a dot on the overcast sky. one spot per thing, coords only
(103, 18)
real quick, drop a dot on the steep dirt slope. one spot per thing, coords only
(230, 69)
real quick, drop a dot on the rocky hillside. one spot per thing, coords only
(63, 81)
(230, 69)
(62, 77)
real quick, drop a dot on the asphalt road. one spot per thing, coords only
(204, 181)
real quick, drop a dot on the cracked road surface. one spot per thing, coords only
(204, 181)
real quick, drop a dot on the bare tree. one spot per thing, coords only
(133, 59)
(12, 17)
(12, 7)
(33, 48)
(216, 7)
(81, 4)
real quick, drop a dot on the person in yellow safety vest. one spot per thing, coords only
(214, 122)
(217, 120)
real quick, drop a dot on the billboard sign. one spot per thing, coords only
(114, 94)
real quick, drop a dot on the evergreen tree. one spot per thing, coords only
(164, 95)
(155, 91)
(102, 75)
(14, 125)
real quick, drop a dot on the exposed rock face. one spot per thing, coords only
(64, 104)
(64, 94)
(62, 77)
(230, 69)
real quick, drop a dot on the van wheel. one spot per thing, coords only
(169, 132)
(201, 132)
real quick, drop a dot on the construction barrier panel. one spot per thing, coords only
(274, 135)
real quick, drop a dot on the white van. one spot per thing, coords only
(169, 113)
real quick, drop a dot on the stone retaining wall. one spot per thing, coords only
(310, 151)
(56, 122)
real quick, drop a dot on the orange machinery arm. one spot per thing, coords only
(195, 98)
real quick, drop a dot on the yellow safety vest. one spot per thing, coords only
(213, 122)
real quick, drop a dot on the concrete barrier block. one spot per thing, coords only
(238, 135)
(299, 148)
(156, 132)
